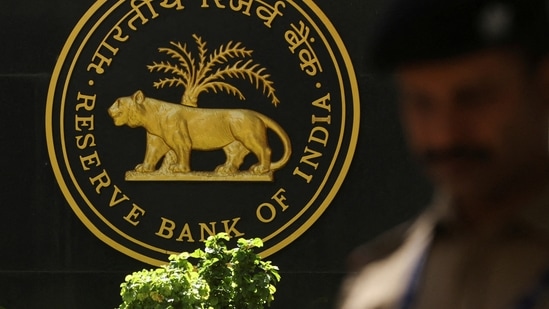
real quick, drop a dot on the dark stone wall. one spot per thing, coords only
(49, 259)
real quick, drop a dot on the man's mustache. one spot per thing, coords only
(466, 153)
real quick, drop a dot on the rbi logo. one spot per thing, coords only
(170, 121)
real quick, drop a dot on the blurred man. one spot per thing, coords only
(473, 77)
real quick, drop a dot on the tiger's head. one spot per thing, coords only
(124, 111)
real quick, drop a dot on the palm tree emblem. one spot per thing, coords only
(174, 130)
(211, 72)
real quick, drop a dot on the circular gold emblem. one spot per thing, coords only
(169, 121)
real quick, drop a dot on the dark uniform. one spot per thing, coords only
(437, 261)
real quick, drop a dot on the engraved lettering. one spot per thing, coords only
(139, 15)
(177, 4)
(327, 120)
(103, 181)
(83, 142)
(232, 228)
(217, 4)
(309, 62)
(280, 198)
(134, 214)
(118, 34)
(300, 173)
(319, 135)
(323, 102)
(103, 60)
(263, 10)
(240, 4)
(266, 212)
(260, 212)
(80, 122)
(89, 160)
(166, 229)
(204, 228)
(85, 101)
(307, 158)
(115, 200)
(186, 233)
(268, 13)
(297, 38)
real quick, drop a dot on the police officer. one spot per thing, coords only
(473, 79)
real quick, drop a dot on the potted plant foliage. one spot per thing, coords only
(214, 278)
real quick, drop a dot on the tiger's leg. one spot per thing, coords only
(182, 145)
(256, 142)
(235, 153)
(264, 164)
(169, 159)
(156, 149)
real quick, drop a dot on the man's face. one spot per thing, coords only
(477, 123)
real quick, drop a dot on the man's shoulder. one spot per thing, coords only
(388, 259)
(380, 247)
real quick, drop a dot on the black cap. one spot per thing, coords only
(412, 31)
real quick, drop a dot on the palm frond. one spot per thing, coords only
(235, 57)
(230, 51)
(223, 54)
(247, 71)
(182, 55)
(222, 86)
(202, 51)
(191, 62)
(169, 82)
(167, 67)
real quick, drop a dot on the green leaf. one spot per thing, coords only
(222, 278)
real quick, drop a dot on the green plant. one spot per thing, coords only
(221, 278)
